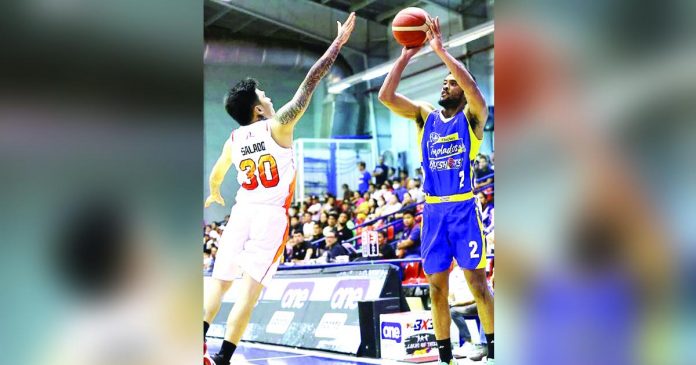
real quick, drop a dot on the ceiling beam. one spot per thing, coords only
(242, 25)
(217, 16)
(355, 6)
(391, 12)
(289, 18)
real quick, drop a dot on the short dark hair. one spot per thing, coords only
(410, 212)
(361, 163)
(240, 101)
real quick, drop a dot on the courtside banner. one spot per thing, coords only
(311, 308)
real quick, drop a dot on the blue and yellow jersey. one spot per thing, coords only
(448, 151)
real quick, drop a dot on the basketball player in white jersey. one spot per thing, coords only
(261, 151)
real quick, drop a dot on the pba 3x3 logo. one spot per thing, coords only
(421, 325)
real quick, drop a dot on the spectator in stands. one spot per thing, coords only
(482, 172)
(409, 246)
(317, 235)
(307, 225)
(381, 171)
(345, 208)
(371, 189)
(331, 222)
(314, 207)
(346, 192)
(415, 191)
(295, 223)
(379, 206)
(333, 247)
(323, 219)
(357, 199)
(383, 192)
(343, 233)
(301, 250)
(403, 177)
(209, 243)
(399, 190)
(392, 206)
(386, 251)
(344, 219)
(363, 179)
(329, 203)
(407, 200)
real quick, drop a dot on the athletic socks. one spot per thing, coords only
(226, 351)
(445, 349)
(491, 341)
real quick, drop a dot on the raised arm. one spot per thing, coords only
(476, 104)
(222, 165)
(285, 119)
(399, 104)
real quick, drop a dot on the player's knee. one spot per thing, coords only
(438, 292)
(479, 288)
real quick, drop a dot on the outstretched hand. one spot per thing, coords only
(434, 34)
(345, 29)
(214, 198)
(410, 52)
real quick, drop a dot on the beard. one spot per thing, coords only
(449, 103)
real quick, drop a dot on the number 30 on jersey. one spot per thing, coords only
(267, 172)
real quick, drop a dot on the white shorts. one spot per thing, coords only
(252, 243)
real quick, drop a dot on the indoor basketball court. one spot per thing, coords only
(359, 186)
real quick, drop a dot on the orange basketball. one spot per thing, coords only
(410, 26)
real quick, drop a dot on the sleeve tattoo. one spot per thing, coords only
(291, 111)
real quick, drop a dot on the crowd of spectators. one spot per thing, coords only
(323, 228)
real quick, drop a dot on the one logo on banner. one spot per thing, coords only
(391, 331)
(280, 322)
(348, 293)
(330, 325)
(296, 295)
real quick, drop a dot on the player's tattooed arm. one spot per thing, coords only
(291, 112)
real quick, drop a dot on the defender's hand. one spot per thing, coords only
(214, 198)
(434, 34)
(345, 30)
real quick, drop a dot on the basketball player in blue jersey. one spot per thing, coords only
(449, 140)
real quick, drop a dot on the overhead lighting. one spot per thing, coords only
(336, 89)
(378, 71)
(474, 34)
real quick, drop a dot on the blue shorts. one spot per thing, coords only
(452, 230)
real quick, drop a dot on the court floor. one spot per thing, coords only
(260, 354)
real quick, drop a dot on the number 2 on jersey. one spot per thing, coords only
(267, 164)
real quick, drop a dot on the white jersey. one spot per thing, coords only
(265, 170)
